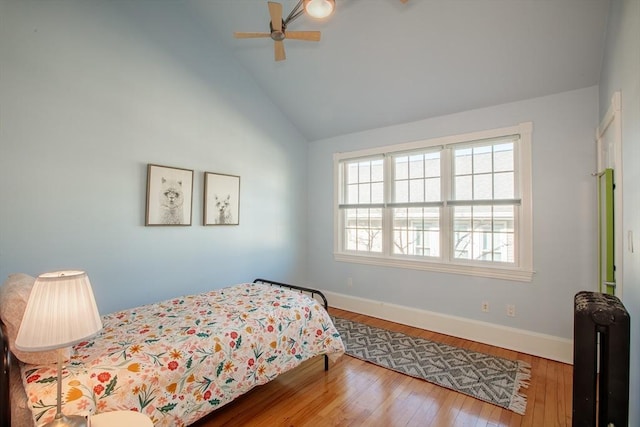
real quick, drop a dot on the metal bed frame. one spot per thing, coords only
(301, 289)
(5, 402)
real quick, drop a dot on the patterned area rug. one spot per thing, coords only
(485, 377)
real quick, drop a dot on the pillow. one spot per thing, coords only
(14, 294)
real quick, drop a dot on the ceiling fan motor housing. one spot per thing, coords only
(277, 35)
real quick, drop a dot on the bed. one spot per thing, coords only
(177, 360)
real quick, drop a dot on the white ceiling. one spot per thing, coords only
(382, 62)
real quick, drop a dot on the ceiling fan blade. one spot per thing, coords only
(278, 50)
(312, 36)
(275, 12)
(251, 35)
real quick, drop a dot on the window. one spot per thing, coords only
(459, 204)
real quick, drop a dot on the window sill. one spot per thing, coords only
(520, 275)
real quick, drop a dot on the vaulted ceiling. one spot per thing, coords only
(384, 62)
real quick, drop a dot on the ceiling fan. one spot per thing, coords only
(278, 25)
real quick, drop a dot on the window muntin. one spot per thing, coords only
(458, 204)
(363, 230)
(484, 172)
(416, 231)
(363, 197)
(364, 181)
(416, 185)
(484, 233)
(416, 177)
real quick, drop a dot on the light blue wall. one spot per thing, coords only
(563, 214)
(90, 93)
(621, 71)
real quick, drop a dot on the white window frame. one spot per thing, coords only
(521, 270)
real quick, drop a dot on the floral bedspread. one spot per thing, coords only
(180, 359)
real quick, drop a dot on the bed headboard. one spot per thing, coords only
(5, 403)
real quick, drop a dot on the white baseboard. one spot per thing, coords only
(541, 345)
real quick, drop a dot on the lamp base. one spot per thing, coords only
(68, 421)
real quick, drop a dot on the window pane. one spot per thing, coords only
(362, 216)
(482, 187)
(483, 249)
(377, 192)
(352, 194)
(482, 218)
(350, 239)
(400, 238)
(503, 157)
(431, 245)
(432, 164)
(462, 218)
(364, 195)
(503, 185)
(363, 240)
(352, 173)
(401, 167)
(482, 159)
(432, 189)
(463, 161)
(377, 170)
(416, 231)
(463, 188)
(462, 245)
(400, 219)
(401, 194)
(364, 172)
(484, 233)
(416, 190)
(416, 166)
(376, 242)
(503, 219)
(504, 247)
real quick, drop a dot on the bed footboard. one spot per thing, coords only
(311, 291)
(5, 403)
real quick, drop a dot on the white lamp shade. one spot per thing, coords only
(319, 8)
(61, 312)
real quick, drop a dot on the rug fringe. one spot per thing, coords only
(518, 403)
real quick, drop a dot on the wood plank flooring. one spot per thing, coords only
(357, 393)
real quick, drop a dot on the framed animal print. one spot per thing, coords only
(221, 199)
(169, 195)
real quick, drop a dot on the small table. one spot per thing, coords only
(120, 419)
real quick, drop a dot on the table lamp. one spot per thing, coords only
(61, 312)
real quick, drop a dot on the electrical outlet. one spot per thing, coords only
(485, 306)
(511, 310)
(349, 282)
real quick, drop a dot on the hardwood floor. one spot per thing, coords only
(357, 393)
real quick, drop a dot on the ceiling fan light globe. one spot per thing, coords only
(319, 8)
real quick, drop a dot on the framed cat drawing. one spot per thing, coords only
(169, 195)
(221, 199)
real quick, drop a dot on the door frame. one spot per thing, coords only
(612, 122)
